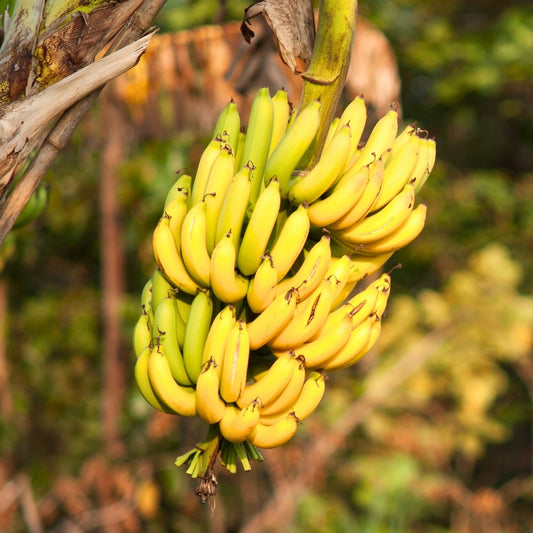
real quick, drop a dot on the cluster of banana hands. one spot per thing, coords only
(253, 300)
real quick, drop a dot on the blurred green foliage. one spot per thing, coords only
(455, 435)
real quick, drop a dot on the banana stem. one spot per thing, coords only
(325, 77)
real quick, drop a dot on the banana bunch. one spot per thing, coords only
(254, 296)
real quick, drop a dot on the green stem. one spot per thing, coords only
(325, 77)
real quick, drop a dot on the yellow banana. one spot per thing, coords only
(234, 206)
(382, 286)
(207, 159)
(398, 171)
(379, 141)
(160, 289)
(381, 223)
(272, 382)
(262, 287)
(181, 400)
(259, 229)
(421, 173)
(292, 146)
(142, 333)
(355, 115)
(143, 382)
(343, 197)
(220, 177)
(209, 406)
(169, 259)
(165, 324)
(181, 187)
(291, 240)
(332, 130)
(235, 364)
(326, 171)
(362, 266)
(227, 284)
(196, 331)
(281, 111)
(176, 210)
(308, 317)
(258, 137)
(405, 134)
(237, 424)
(228, 125)
(311, 395)
(264, 436)
(366, 200)
(237, 160)
(312, 271)
(193, 245)
(339, 272)
(405, 234)
(276, 316)
(216, 338)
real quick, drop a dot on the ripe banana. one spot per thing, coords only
(207, 159)
(275, 317)
(196, 331)
(181, 187)
(237, 424)
(227, 284)
(263, 286)
(311, 395)
(215, 342)
(421, 173)
(281, 111)
(362, 266)
(355, 114)
(176, 210)
(290, 241)
(169, 259)
(228, 125)
(193, 245)
(405, 234)
(234, 206)
(381, 223)
(311, 272)
(143, 382)
(271, 383)
(292, 146)
(339, 274)
(264, 436)
(405, 134)
(235, 363)
(259, 229)
(180, 400)
(343, 197)
(257, 141)
(326, 172)
(209, 405)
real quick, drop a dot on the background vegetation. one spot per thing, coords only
(447, 444)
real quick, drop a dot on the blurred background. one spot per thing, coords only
(431, 432)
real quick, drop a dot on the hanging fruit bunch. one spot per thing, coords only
(255, 297)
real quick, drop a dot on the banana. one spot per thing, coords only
(264, 436)
(228, 125)
(181, 187)
(405, 134)
(366, 200)
(237, 160)
(311, 395)
(176, 210)
(281, 111)
(181, 400)
(258, 137)
(381, 223)
(343, 197)
(421, 173)
(216, 338)
(160, 289)
(207, 159)
(398, 171)
(290, 241)
(169, 259)
(220, 177)
(142, 333)
(263, 286)
(362, 266)
(326, 172)
(34, 206)
(271, 383)
(235, 364)
(165, 324)
(196, 331)
(209, 405)
(379, 141)
(275, 317)
(235, 205)
(308, 317)
(405, 234)
(259, 229)
(237, 424)
(355, 115)
(143, 382)
(193, 245)
(227, 284)
(382, 286)
(284, 401)
(312, 271)
(339, 272)
(292, 146)
(332, 130)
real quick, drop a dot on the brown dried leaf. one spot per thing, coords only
(293, 27)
